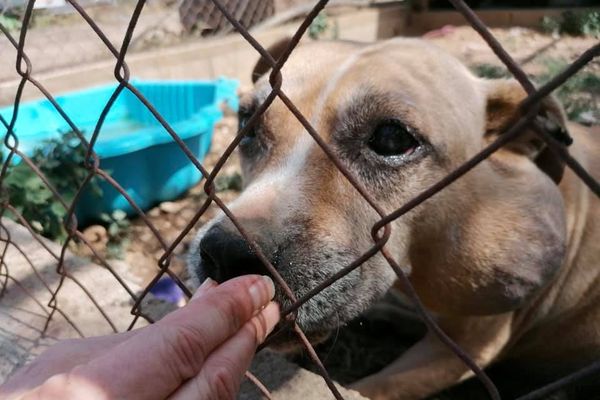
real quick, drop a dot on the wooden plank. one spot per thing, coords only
(421, 22)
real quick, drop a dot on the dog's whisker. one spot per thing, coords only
(335, 338)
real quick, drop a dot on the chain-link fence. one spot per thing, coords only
(380, 231)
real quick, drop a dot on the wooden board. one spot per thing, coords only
(420, 22)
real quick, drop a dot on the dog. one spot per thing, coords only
(506, 258)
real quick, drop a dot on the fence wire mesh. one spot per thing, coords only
(381, 231)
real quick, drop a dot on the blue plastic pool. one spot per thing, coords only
(133, 147)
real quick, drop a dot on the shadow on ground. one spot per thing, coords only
(370, 342)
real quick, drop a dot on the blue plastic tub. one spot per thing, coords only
(133, 147)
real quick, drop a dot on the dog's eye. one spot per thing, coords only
(391, 139)
(243, 118)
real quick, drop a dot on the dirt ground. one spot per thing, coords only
(370, 342)
(143, 249)
(530, 48)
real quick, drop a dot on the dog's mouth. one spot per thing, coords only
(300, 326)
(304, 266)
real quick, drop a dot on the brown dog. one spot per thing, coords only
(505, 258)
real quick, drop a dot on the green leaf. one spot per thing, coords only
(60, 160)
(58, 209)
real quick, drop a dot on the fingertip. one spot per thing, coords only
(261, 292)
(270, 285)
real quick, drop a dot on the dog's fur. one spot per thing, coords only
(504, 257)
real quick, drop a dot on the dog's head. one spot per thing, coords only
(399, 115)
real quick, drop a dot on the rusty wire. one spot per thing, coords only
(380, 232)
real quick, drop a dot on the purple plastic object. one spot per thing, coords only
(166, 289)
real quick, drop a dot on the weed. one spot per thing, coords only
(489, 71)
(574, 23)
(580, 95)
(581, 23)
(11, 23)
(550, 25)
(61, 160)
(322, 27)
(229, 182)
(318, 26)
(117, 228)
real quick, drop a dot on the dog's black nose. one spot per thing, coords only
(226, 255)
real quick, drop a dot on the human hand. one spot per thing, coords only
(200, 351)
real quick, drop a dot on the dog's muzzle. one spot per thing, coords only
(225, 254)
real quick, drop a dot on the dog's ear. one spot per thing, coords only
(276, 50)
(503, 99)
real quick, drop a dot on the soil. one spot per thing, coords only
(143, 248)
(527, 46)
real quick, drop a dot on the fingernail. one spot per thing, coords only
(205, 287)
(271, 286)
(257, 291)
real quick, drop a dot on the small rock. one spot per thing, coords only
(146, 236)
(188, 214)
(96, 234)
(181, 222)
(158, 254)
(171, 207)
(155, 212)
(588, 118)
(172, 24)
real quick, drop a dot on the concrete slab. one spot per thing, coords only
(230, 56)
(24, 311)
(287, 381)
(24, 306)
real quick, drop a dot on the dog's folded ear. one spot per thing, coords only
(276, 50)
(503, 99)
